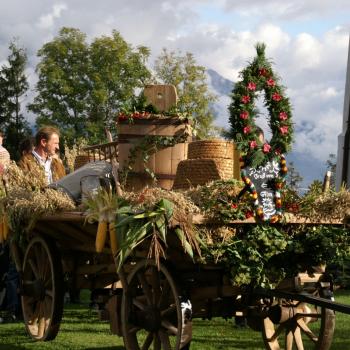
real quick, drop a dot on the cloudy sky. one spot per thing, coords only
(307, 41)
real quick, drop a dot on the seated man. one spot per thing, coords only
(43, 155)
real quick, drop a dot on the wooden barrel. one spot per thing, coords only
(163, 163)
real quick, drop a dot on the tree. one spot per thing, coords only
(116, 70)
(63, 84)
(13, 86)
(81, 87)
(293, 178)
(189, 79)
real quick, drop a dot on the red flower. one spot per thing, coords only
(122, 116)
(270, 82)
(251, 86)
(283, 116)
(266, 148)
(276, 97)
(284, 130)
(249, 214)
(263, 72)
(253, 144)
(245, 99)
(234, 206)
(244, 115)
(246, 129)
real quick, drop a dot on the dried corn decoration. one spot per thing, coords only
(102, 207)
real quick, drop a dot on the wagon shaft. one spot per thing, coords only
(306, 298)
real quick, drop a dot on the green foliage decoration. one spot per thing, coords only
(259, 76)
(133, 228)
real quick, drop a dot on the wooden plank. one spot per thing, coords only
(288, 218)
(163, 97)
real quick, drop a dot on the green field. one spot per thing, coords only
(81, 329)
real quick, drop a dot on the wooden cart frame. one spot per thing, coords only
(145, 308)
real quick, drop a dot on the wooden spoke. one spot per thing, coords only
(34, 268)
(171, 328)
(298, 340)
(165, 296)
(138, 304)
(148, 341)
(145, 287)
(171, 309)
(289, 339)
(155, 285)
(164, 339)
(303, 326)
(157, 344)
(134, 330)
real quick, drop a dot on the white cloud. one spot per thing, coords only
(47, 21)
(311, 65)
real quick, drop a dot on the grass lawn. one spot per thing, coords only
(81, 329)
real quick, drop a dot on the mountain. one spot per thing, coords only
(308, 167)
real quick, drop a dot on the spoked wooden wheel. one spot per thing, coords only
(151, 310)
(301, 326)
(42, 296)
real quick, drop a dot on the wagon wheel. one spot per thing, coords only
(301, 326)
(42, 295)
(151, 310)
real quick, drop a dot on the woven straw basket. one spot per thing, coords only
(209, 160)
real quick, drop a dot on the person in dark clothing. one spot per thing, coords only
(9, 283)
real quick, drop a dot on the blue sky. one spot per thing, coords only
(307, 41)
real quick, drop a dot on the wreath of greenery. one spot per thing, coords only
(259, 76)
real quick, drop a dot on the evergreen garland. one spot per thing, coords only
(259, 76)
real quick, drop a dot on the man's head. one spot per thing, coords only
(47, 140)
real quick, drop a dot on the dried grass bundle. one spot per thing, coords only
(70, 154)
(147, 198)
(27, 199)
(16, 179)
(328, 206)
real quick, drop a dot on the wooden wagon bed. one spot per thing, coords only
(61, 255)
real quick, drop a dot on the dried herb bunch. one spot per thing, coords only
(27, 198)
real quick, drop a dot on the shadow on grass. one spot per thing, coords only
(108, 348)
(10, 347)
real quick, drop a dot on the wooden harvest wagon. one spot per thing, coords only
(147, 310)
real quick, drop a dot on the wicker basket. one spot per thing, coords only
(193, 172)
(211, 149)
(209, 160)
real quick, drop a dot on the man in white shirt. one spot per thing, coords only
(46, 145)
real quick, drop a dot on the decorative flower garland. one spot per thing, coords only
(278, 184)
(259, 76)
